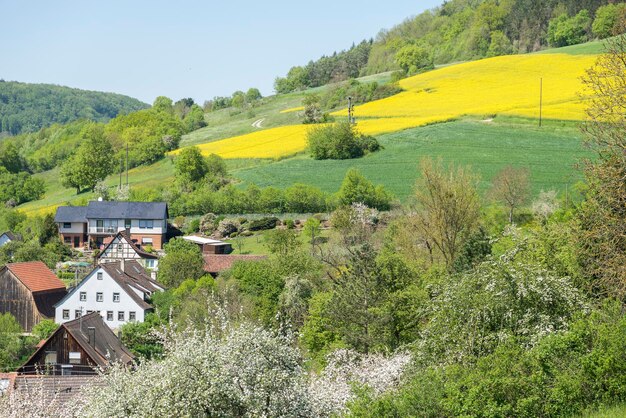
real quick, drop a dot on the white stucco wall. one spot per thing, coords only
(159, 225)
(76, 228)
(91, 285)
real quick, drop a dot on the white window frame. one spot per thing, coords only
(116, 295)
(110, 316)
(146, 224)
(99, 275)
(66, 314)
(82, 296)
(99, 297)
(121, 316)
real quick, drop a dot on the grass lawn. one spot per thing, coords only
(549, 152)
(256, 244)
(614, 412)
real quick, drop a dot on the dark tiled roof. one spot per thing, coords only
(10, 235)
(104, 350)
(71, 214)
(134, 275)
(215, 263)
(127, 210)
(36, 276)
(122, 235)
(57, 389)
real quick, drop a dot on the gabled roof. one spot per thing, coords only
(133, 276)
(127, 210)
(106, 347)
(122, 236)
(10, 235)
(71, 214)
(36, 276)
(215, 263)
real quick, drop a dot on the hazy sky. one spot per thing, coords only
(181, 48)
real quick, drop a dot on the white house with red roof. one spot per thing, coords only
(28, 291)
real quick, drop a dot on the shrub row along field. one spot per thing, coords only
(487, 147)
(507, 85)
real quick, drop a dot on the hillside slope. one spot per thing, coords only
(28, 107)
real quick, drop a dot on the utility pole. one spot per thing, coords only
(127, 164)
(540, 99)
(350, 110)
(121, 170)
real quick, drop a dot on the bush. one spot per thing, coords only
(289, 223)
(227, 227)
(339, 141)
(263, 224)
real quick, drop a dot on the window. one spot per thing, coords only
(109, 315)
(83, 296)
(120, 247)
(146, 224)
(99, 297)
(127, 223)
(116, 297)
(66, 314)
(99, 275)
(51, 357)
(89, 311)
(67, 240)
(120, 316)
(132, 316)
(67, 225)
(146, 241)
(77, 313)
(74, 357)
(150, 263)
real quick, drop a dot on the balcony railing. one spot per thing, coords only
(103, 230)
(58, 370)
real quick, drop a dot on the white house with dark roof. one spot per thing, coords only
(144, 222)
(117, 291)
(122, 247)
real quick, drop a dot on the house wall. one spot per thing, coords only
(16, 299)
(62, 343)
(157, 240)
(159, 226)
(91, 285)
(76, 228)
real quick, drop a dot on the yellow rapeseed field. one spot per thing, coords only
(269, 143)
(293, 109)
(502, 85)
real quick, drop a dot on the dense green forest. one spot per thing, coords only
(28, 107)
(461, 30)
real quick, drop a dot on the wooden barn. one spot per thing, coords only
(29, 291)
(78, 347)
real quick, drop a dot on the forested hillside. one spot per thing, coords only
(461, 30)
(28, 107)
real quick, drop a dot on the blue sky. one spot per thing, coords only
(196, 49)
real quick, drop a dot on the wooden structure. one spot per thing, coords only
(215, 263)
(29, 291)
(78, 347)
(210, 245)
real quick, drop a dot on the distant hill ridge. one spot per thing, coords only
(26, 107)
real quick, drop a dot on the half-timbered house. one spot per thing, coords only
(122, 247)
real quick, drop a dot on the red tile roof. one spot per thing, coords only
(214, 263)
(36, 276)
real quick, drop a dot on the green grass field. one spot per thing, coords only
(549, 152)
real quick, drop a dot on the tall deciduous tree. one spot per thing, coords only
(511, 187)
(603, 214)
(92, 161)
(190, 165)
(183, 260)
(448, 208)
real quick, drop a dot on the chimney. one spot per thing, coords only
(91, 335)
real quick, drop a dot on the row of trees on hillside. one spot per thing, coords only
(238, 99)
(461, 30)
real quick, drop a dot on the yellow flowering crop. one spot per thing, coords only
(268, 143)
(293, 109)
(501, 85)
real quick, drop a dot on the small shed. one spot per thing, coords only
(28, 291)
(210, 245)
(78, 347)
